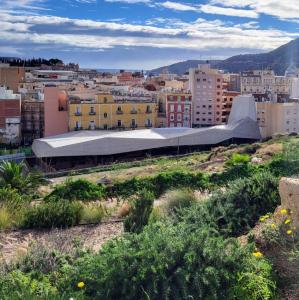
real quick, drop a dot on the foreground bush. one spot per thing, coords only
(236, 209)
(53, 214)
(80, 189)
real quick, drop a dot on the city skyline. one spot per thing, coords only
(143, 34)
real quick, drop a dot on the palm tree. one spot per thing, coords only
(14, 175)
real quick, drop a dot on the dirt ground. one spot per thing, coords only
(14, 244)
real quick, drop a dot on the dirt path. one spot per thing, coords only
(15, 243)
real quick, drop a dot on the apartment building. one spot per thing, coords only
(11, 77)
(112, 112)
(277, 118)
(10, 117)
(207, 90)
(265, 86)
(175, 109)
(32, 120)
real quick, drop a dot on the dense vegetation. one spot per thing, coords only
(186, 249)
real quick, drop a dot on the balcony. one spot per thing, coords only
(119, 112)
(78, 113)
(161, 115)
(148, 125)
(133, 111)
(148, 111)
(92, 113)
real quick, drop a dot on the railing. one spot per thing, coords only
(92, 113)
(119, 112)
(133, 112)
(78, 113)
(149, 111)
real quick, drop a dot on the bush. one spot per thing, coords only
(238, 159)
(163, 262)
(140, 212)
(236, 209)
(160, 183)
(53, 214)
(80, 189)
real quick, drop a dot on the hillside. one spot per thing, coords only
(208, 223)
(278, 59)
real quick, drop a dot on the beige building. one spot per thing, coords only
(207, 88)
(265, 86)
(11, 77)
(276, 118)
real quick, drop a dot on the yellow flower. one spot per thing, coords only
(262, 219)
(257, 254)
(283, 211)
(287, 221)
(289, 232)
(81, 284)
(273, 226)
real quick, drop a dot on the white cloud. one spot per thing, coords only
(129, 1)
(282, 9)
(178, 6)
(227, 11)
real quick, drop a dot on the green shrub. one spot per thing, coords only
(80, 189)
(238, 159)
(53, 214)
(237, 208)
(140, 212)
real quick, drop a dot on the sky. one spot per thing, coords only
(144, 34)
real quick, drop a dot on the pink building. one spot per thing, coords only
(178, 110)
(56, 112)
(207, 87)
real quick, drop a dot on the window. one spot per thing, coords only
(179, 117)
(179, 124)
(171, 124)
(171, 117)
(78, 124)
(133, 122)
(171, 108)
(119, 108)
(105, 126)
(92, 109)
(119, 123)
(179, 108)
(105, 115)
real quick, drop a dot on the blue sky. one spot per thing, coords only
(144, 34)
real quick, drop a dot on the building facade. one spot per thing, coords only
(108, 113)
(265, 86)
(10, 117)
(55, 111)
(276, 118)
(11, 77)
(33, 121)
(207, 90)
(227, 102)
(176, 109)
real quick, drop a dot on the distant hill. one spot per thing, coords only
(278, 59)
(182, 67)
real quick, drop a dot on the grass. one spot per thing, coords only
(93, 213)
(5, 218)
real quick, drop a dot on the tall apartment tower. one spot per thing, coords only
(207, 90)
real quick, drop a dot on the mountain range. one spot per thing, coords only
(278, 60)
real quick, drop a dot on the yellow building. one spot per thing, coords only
(107, 112)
